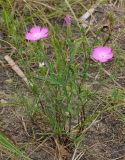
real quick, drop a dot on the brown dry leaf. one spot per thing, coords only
(61, 151)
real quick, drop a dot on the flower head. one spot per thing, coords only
(102, 54)
(36, 33)
(68, 20)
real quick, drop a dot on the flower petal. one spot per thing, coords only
(35, 29)
(28, 36)
(110, 55)
(44, 32)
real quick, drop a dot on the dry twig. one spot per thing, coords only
(84, 17)
(16, 68)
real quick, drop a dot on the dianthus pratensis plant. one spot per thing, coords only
(60, 87)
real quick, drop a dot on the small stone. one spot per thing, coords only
(3, 101)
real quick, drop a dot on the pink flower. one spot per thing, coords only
(68, 20)
(36, 33)
(102, 54)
